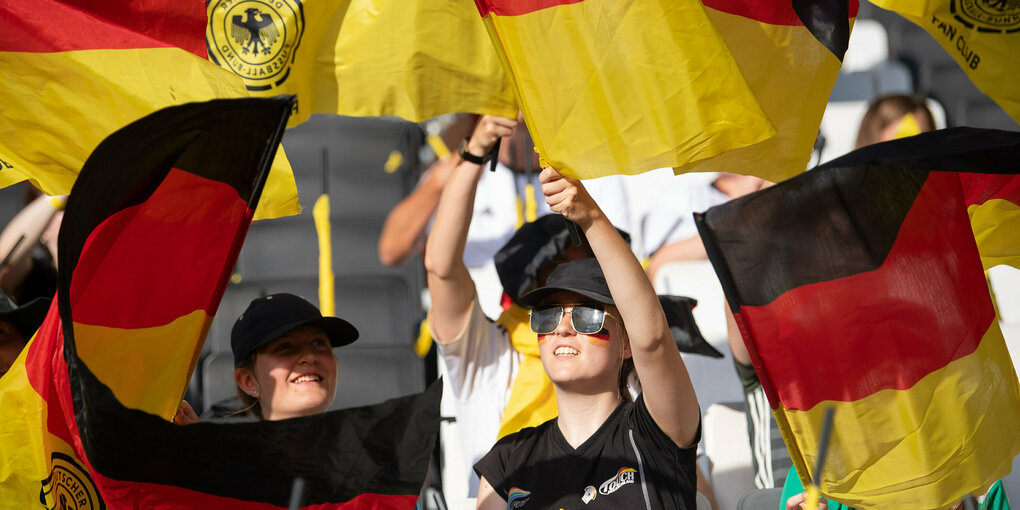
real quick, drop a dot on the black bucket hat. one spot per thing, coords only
(582, 276)
(534, 245)
(270, 317)
(26, 318)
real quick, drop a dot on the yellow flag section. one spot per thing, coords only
(886, 448)
(623, 86)
(415, 59)
(993, 204)
(981, 36)
(72, 77)
(38, 465)
(790, 71)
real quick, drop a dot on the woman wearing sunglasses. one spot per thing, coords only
(601, 451)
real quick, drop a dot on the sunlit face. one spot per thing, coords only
(11, 344)
(583, 363)
(294, 375)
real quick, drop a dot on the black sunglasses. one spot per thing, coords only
(586, 319)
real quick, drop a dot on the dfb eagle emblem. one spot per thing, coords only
(254, 29)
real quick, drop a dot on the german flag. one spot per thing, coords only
(623, 86)
(152, 229)
(981, 36)
(790, 52)
(859, 286)
(76, 71)
(415, 59)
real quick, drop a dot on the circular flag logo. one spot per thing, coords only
(997, 16)
(69, 487)
(255, 39)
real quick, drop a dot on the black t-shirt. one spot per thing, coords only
(629, 462)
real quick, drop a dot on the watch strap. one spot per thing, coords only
(471, 158)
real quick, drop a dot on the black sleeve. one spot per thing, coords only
(493, 466)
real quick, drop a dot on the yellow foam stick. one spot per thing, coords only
(320, 213)
(438, 146)
(393, 162)
(424, 341)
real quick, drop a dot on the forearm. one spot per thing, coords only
(406, 223)
(632, 290)
(444, 251)
(688, 249)
(21, 235)
(450, 284)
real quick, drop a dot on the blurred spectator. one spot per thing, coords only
(28, 249)
(886, 117)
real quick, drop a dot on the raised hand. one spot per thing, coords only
(568, 197)
(489, 129)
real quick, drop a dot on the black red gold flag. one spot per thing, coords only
(858, 285)
(151, 231)
(75, 71)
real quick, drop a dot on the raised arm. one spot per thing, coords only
(666, 386)
(29, 225)
(406, 223)
(450, 285)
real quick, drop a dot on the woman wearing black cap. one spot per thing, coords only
(283, 357)
(600, 452)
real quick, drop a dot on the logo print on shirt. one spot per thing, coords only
(623, 477)
(589, 494)
(517, 498)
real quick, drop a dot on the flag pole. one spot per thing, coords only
(823, 447)
(321, 217)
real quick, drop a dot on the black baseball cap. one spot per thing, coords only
(532, 246)
(581, 276)
(26, 318)
(270, 317)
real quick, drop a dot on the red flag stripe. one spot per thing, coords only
(867, 350)
(980, 188)
(46, 26)
(771, 12)
(154, 496)
(182, 283)
(517, 7)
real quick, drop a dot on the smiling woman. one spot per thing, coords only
(283, 357)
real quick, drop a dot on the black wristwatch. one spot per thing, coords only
(471, 158)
